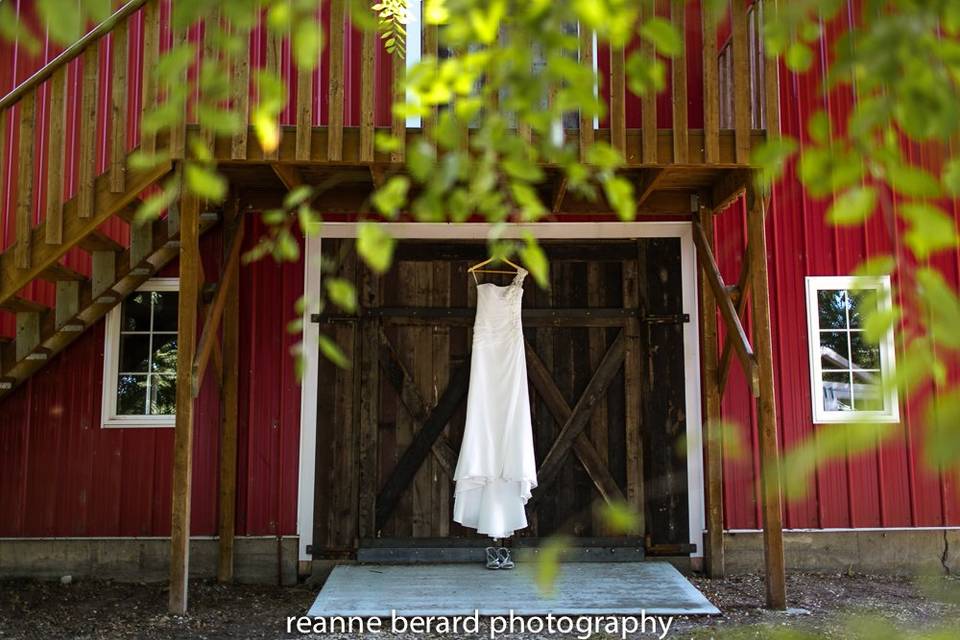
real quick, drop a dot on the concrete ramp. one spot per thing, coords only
(595, 588)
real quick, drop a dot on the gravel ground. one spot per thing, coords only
(824, 606)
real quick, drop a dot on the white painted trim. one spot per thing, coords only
(542, 231)
(815, 284)
(310, 344)
(111, 355)
(414, 29)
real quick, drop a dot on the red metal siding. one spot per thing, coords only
(889, 487)
(61, 474)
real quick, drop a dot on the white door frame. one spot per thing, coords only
(480, 231)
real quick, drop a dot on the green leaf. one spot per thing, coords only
(307, 42)
(297, 196)
(619, 192)
(548, 562)
(912, 181)
(853, 207)
(375, 246)
(645, 75)
(604, 157)
(535, 260)
(771, 156)
(526, 197)
(951, 177)
(285, 246)
(799, 57)
(621, 518)
(931, 229)
(391, 196)
(332, 352)
(879, 322)
(819, 127)
(205, 182)
(342, 293)
(663, 35)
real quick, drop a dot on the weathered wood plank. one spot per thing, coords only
(771, 83)
(87, 161)
(575, 425)
(678, 68)
(741, 81)
(713, 461)
(632, 383)
(240, 101)
(711, 89)
(648, 102)
(178, 131)
(55, 157)
(23, 220)
(618, 102)
(183, 431)
(304, 112)
(766, 408)
(430, 47)
(119, 56)
(368, 53)
(421, 285)
(442, 471)
(597, 345)
(151, 53)
(369, 296)
(735, 330)
(398, 124)
(229, 407)
(586, 120)
(273, 65)
(335, 89)
(413, 456)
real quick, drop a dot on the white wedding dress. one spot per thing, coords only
(496, 470)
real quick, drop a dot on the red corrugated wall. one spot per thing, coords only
(889, 487)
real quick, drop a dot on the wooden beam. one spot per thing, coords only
(585, 451)
(119, 59)
(678, 68)
(408, 464)
(87, 161)
(741, 80)
(214, 313)
(368, 42)
(367, 461)
(735, 330)
(710, 388)
(632, 396)
(178, 131)
(304, 112)
(742, 294)
(766, 409)
(586, 120)
(649, 180)
(183, 432)
(580, 416)
(398, 124)
(240, 99)
(771, 82)
(618, 109)
(335, 88)
(648, 101)
(711, 88)
(728, 188)
(23, 222)
(42, 255)
(288, 174)
(151, 53)
(558, 194)
(55, 154)
(273, 55)
(229, 405)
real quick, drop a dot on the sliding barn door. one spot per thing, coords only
(605, 367)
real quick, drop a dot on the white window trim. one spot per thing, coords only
(814, 284)
(111, 360)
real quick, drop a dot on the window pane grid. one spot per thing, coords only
(155, 383)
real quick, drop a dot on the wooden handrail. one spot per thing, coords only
(70, 53)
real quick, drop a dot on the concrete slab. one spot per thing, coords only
(595, 588)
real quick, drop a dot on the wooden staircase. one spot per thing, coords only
(117, 270)
(40, 247)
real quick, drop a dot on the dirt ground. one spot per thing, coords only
(823, 605)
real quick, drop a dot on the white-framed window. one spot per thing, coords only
(848, 372)
(140, 357)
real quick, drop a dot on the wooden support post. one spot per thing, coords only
(183, 432)
(229, 404)
(711, 410)
(766, 406)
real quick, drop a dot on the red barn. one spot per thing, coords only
(147, 389)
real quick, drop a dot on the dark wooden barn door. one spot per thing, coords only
(605, 366)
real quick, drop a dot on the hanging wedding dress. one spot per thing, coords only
(496, 470)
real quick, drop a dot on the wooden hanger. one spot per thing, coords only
(475, 269)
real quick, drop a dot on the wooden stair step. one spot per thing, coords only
(59, 272)
(99, 241)
(16, 304)
(129, 211)
(79, 306)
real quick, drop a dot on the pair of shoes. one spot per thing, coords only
(499, 558)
